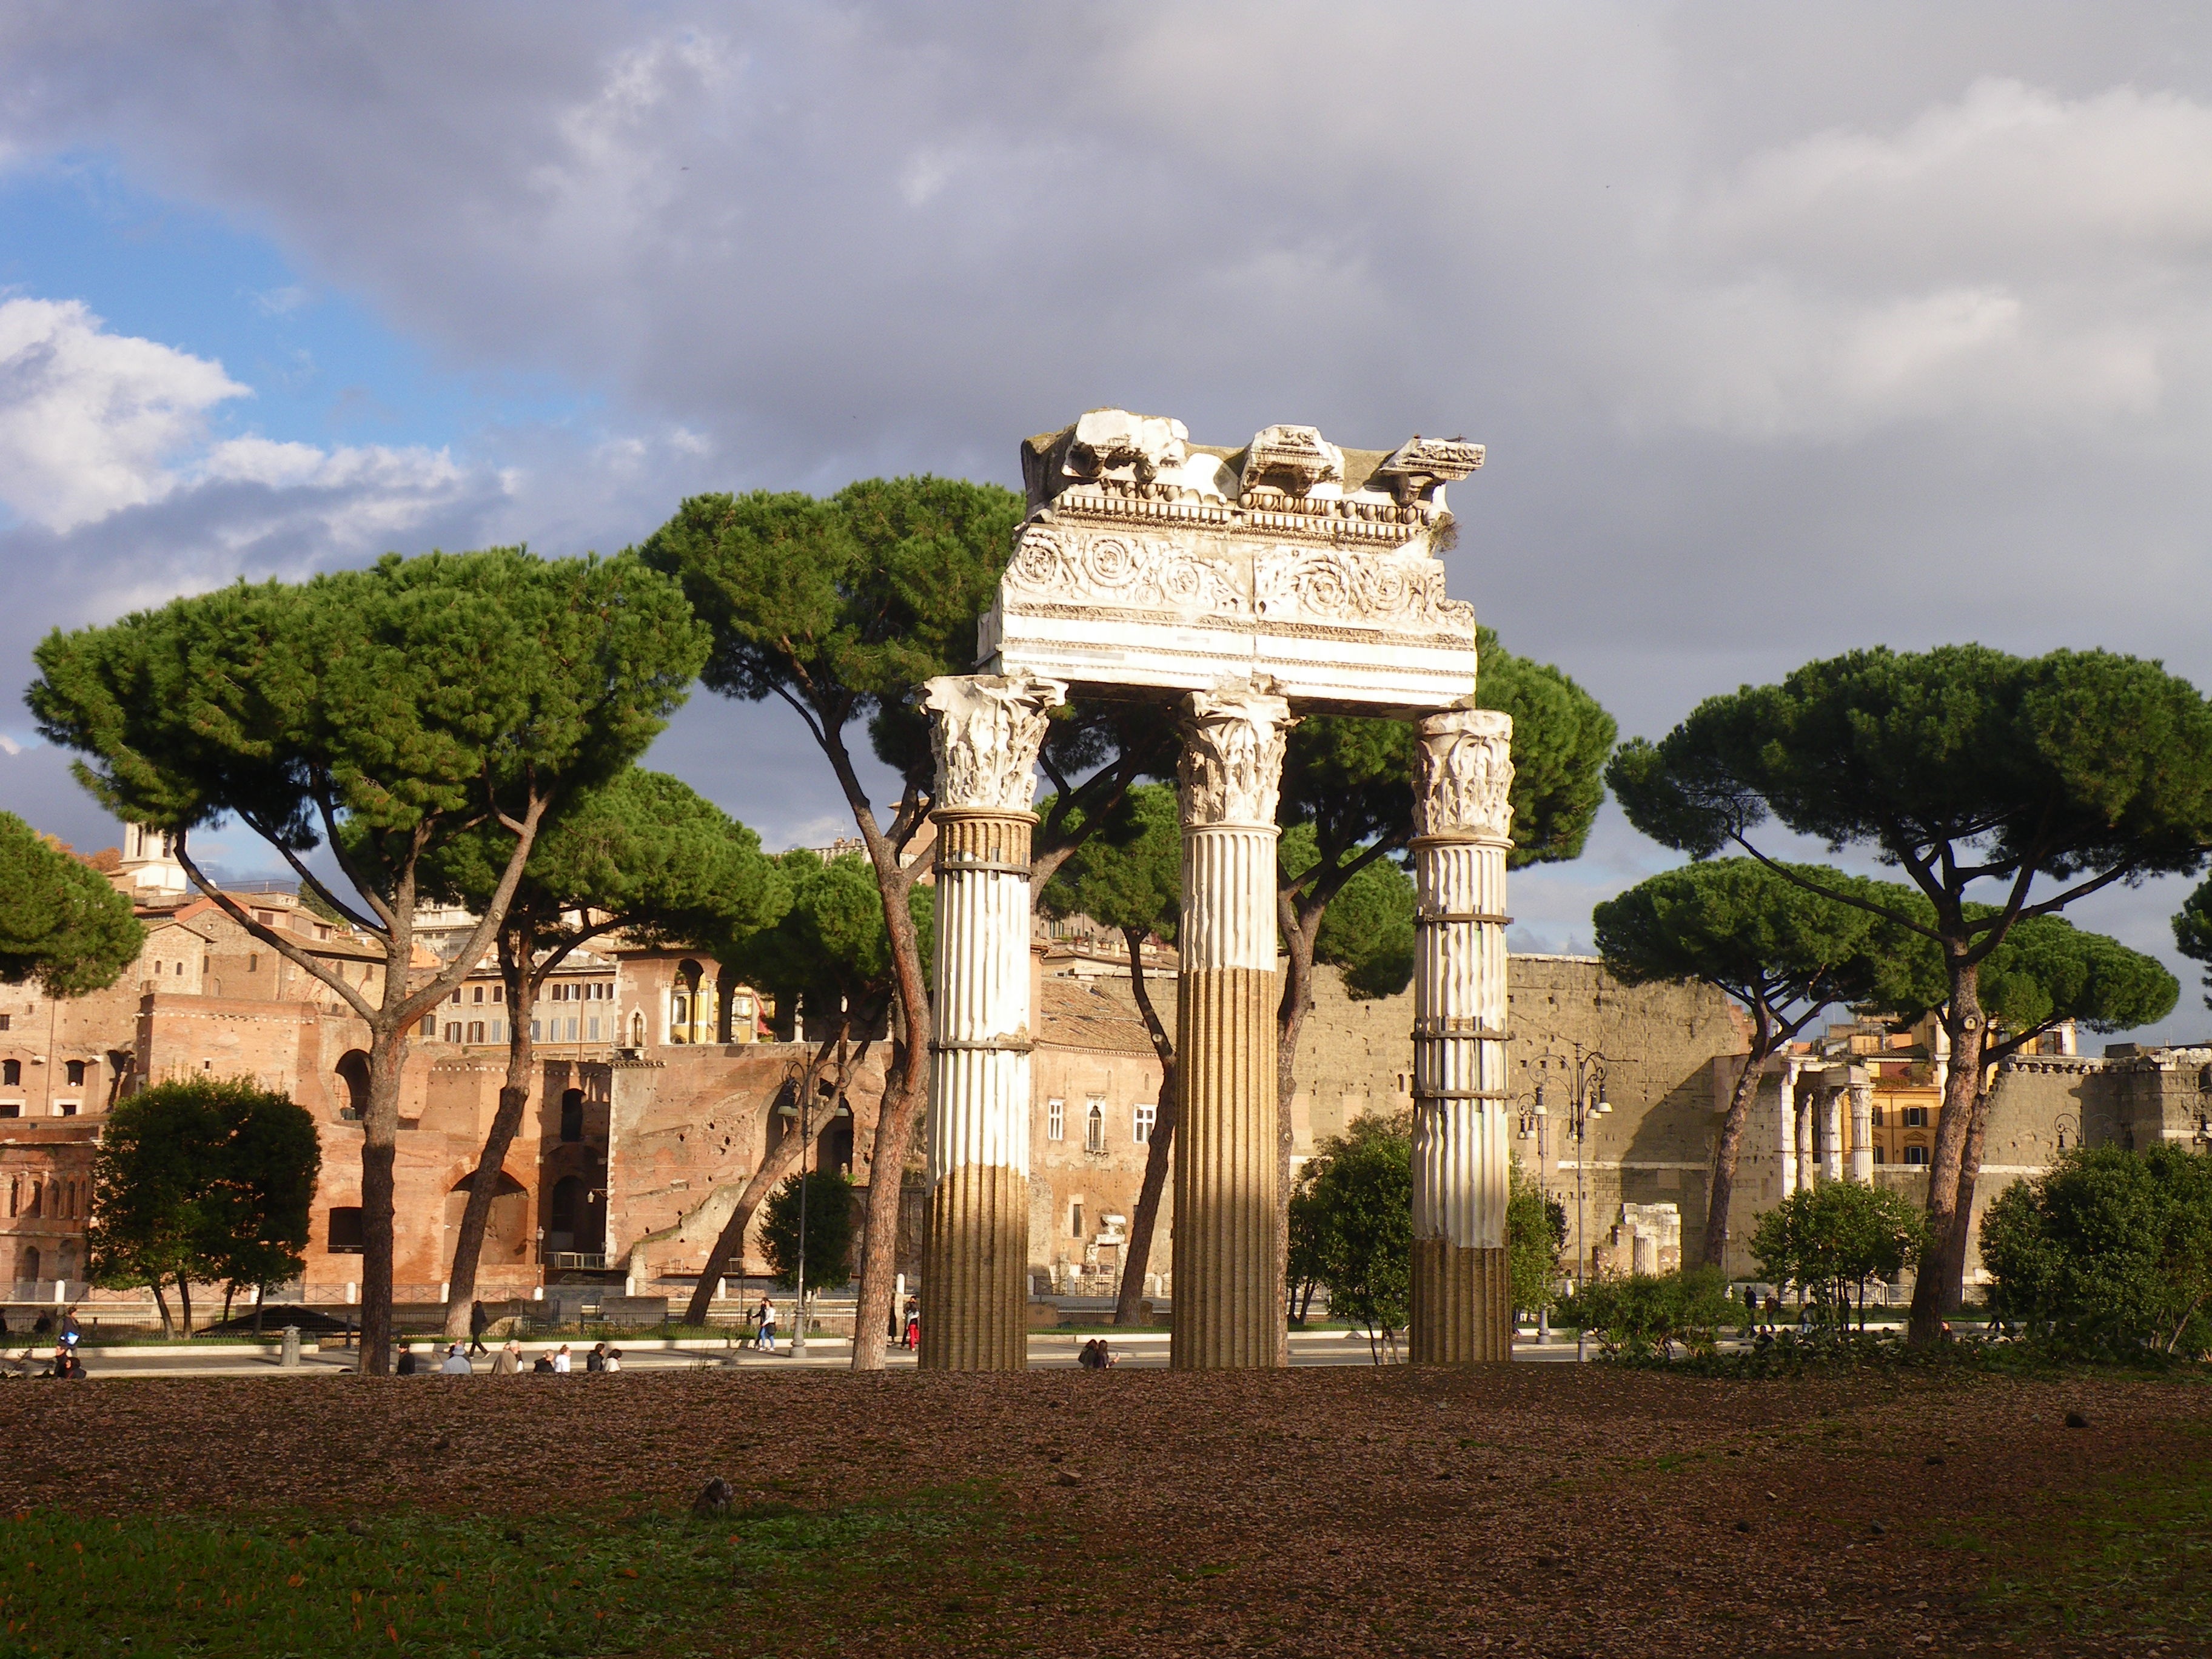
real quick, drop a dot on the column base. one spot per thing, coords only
(1462, 1310)
(975, 1275)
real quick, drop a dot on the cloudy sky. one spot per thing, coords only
(1788, 329)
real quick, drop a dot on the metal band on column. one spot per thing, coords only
(987, 729)
(1225, 1310)
(1462, 1312)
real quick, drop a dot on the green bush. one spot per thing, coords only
(829, 1235)
(1833, 1239)
(2109, 1254)
(1351, 1223)
(1632, 1316)
(1536, 1230)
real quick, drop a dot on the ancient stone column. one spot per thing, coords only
(1787, 1085)
(1832, 1134)
(1225, 1310)
(1861, 1091)
(1462, 1312)
(986, 729)
(1807, 1149)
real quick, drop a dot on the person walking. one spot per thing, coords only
(457, 1363)
(913, 1325)
(72, 1332)
(407, 1365)
(508, 1360)
(764, 1337)
(479, 1322)
(561, 1363)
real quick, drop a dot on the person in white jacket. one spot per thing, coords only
(561, 1363)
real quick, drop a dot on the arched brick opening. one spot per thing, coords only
(353, 1077)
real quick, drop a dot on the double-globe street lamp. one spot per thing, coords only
(1585, 1083)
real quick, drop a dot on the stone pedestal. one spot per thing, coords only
(1226, 1313)
(986, 729)
(1463, 1311)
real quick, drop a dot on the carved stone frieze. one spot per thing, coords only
(986, 730)
(1069, 567)
(1463, 774)
(1231, 768)
(1419, 466)
(1382, 590)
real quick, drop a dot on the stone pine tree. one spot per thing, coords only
(1128, 876)
(61, 923)
(839, 609)
(830, 955)
(1976, 774)
(408, 703)
(1349, 781)
(1773, 941)
(642, 855)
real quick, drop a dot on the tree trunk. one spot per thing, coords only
(1962, 1217)
(776, 1163)
(228, 1291)
(379, 1146)
(1942, 1266)
(185, 1302)
(1136, 1259)
(1299, 926)
(168, 1325)
(1723, 1192)
(491, 1161)
(260, 1297)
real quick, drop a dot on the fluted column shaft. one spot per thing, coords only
(974, 1291)
(1788, 1114)
(1225, 1310)
(1462, 1288)
(1831, 1134)
(1862, 1131)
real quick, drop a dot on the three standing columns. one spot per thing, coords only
(1226, 1310)
(986, 730)
(1463, 1311)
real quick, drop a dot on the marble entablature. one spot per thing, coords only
(1151, 565)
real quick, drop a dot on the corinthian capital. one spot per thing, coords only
(986, 730)
(1463, 774)
(1232, 755)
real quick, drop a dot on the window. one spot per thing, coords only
(11, 1072)
(457, 996)
(252, 963)
(534, 1025)
(476, 1030)
(1916, 1117)
(499, 1031)
(1881, 1155)
(592, 1029)
(1055, 1118)
(453, 1031)
(11, 1108)
(1075, 1219)
(572, 1115)
(429, 1028)
(1916, 1154)
(75, 1069)
(344, 1235)
(1874, 1117)
(569, 1030)
(476, 995)
(5, 1018)
(1094, 1128)
(66, 1107)
(1142, 1121)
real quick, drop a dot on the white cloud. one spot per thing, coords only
(90, 422)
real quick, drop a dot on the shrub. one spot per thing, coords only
(1635, 1314)
(1833, 1239)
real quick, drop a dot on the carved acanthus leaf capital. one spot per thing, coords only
(986, 730)
(1463, 774)
(1231, 768)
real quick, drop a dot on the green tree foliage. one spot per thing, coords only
(828, 1235)
(829, 952)
(642, 854)
(1770, 939)
(1633, 1315)
(410, 703)
(1976, 774)
(1355, 1212)
(1833, 1239)
(202, 1182)
(839, 609)
(1127, 874)
(2109, 1251)
(2192, 931)
(61, 923)
(1367, 929)
(1536, 1233)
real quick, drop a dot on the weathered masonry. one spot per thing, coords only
(1244, 587)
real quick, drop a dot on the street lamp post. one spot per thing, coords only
(1585, 1100)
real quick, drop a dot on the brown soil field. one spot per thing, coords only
(1553, 1510)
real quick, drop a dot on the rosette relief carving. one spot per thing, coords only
(1062, 567)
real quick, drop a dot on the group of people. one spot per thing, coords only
(1095, 1356)
(67, 1366)
(508, 1361)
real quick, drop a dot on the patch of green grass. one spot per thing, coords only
(278, 1585)
(2132, 1560)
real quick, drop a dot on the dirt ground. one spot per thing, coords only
(1543, 1508)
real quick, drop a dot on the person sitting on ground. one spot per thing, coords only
(508, 1360)
(43, 1325)
(561, 1363)
(613, 1362)
(407, 1366)
(597, 1359)
(544, 1362)
(67, 1366)
(1092, 1357)
(457, 1363)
